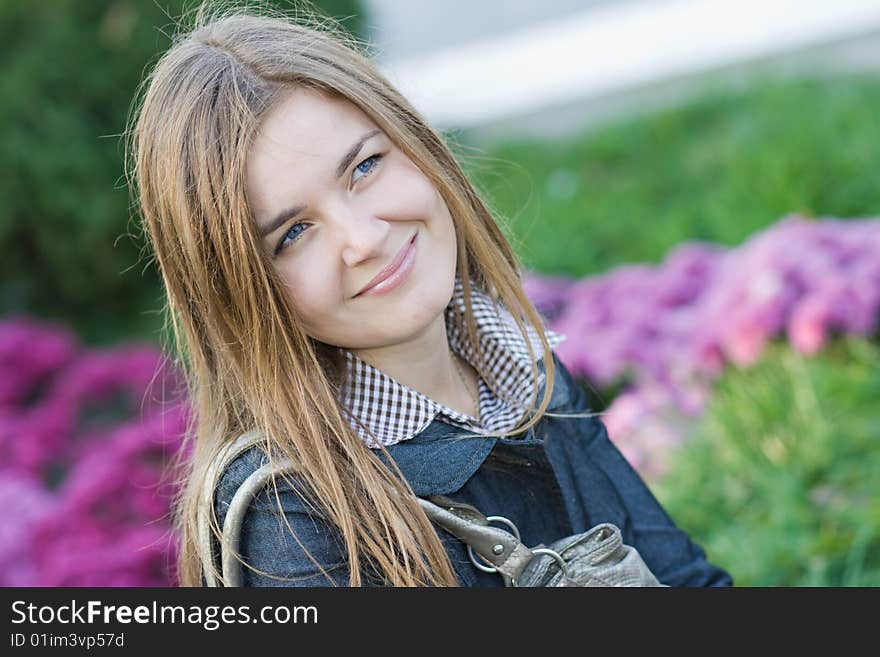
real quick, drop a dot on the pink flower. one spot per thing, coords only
(85, 451)
(808, 326)
(680, 323)
(26, 503)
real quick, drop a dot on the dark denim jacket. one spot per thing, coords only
(560, 478)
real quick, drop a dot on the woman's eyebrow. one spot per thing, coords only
(291, 212)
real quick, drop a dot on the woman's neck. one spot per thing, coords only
(426, 364)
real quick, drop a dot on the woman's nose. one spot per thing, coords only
(364, 237)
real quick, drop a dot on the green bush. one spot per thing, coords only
(781, 482)
(70, 70)
(718, 168)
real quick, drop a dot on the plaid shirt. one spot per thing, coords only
(394, 412)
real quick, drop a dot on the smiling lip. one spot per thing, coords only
(395, 273)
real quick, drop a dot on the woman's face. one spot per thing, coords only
(338, 205)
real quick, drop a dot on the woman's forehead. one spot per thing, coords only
(310, 123)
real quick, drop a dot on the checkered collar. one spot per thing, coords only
(393, 412)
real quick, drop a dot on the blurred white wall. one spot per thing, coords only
(409, 28)
(472, 64)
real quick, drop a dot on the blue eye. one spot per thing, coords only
(371, 162)
(293, 234)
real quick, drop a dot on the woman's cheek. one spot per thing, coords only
(309, 294)
(403, 191)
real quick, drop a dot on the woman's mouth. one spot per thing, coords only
(395, 274)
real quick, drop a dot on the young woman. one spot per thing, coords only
(339, 290)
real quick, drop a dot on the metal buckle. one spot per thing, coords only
(473, 555)
(554, 554)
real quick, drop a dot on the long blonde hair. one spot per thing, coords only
(248, 363)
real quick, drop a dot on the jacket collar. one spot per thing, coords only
(441, 458)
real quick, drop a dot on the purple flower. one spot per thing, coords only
(679, 324)
(86, 438)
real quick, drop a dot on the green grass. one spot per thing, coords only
(718, 169)
(781, 481)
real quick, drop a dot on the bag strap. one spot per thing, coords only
(498, 547)
(503, 550)
(237, 507)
